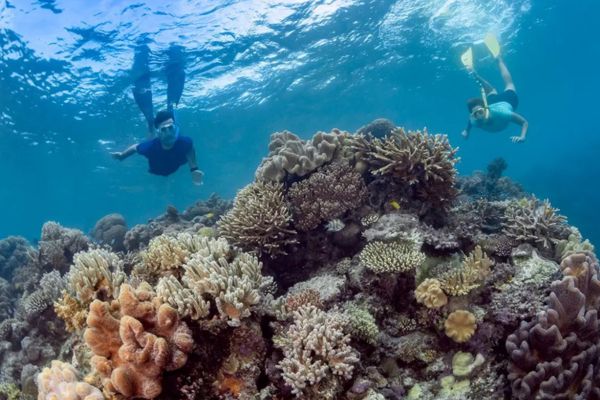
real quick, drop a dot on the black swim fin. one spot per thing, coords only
(175, 71)
(142, 89)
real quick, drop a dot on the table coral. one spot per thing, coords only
(557, 354)
(134, 340)
(315, 348)
(460, 325)
(260, 220)
(430, 293)
(59, 382)
(327, 194)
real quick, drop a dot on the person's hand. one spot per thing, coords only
(465, 134)
(117, 155)
(517, 139)
(197, 176)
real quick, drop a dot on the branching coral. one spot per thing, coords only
(71, 311)
(430, 293)
(395, 256)
(60, 382)
(315, 348)
(471, 274)
(460, 325)
(288, 154)
(260, 220)
(557, 355)
(94, 271)
(419, 161)
(529, 220)
(186, 301)
(326, 194)
(134, 340)
(361, 323)
(165, 255)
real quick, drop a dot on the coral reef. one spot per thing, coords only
(58, 245)
(378, 128)
(326, 194)
(260, 220)
(391, 257)
(471, 274)
(14, 252)
(491, 185)
(460, 325)
(289, 155)
(430, 293)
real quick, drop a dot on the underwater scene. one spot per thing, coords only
(299, 199)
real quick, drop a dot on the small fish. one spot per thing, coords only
(395, 204)
(209, 215)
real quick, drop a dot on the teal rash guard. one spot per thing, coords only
(500, 116)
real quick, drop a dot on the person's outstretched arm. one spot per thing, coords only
(121, 155)
(467, 130)
(197, 175)
(519, 120)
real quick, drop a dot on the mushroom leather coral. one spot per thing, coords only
(134, 340)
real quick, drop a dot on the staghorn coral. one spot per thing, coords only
(58, 245)
(260, 220)
(60, 382)
(234, 284)
(95, 273)
(315, 349)
(460, 325)
(430, 293)
(134, 340)
(289, 155)
(391, 257)
(327, 194)
(421, 163)
(471, 274)
(529, 220)
(557, 355)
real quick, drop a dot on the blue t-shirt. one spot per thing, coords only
(499, 118)
(165, 162)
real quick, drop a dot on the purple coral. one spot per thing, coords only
(557, 355)
(326, 194)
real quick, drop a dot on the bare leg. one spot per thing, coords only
(489, 89)
(508, 81)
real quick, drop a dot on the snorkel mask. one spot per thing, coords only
(168, 132)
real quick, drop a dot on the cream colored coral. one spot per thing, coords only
(430, 293)
(315, 347)
(234, 284)
(460, 325)
(93, 271)
(187, 302)
(60, 382)
(396, 256)
(165, 254)
(469, 275)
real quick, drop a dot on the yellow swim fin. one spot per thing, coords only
(491, 42)
(467, 59)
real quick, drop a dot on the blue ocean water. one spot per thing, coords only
(255, 67)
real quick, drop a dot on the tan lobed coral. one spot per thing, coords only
(288, 154)
(260, 220)
(557, 355)
(60, 382)
(469, 275)
(430, 293)
(397, 256)
(417, 160)
(233, 283)
(529, 220)
(326, 194)
(315, 349)
(134, 340)
(460, 325)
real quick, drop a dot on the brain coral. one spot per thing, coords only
(557, 355)
(326, 194)
(134, 340)
(260, 220)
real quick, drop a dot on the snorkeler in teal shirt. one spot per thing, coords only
(495, 111)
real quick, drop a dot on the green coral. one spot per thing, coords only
(396, 256)
(362, 324)
(9, 391)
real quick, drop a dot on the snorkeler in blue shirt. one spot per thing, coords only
(494, 111)
(169, 150)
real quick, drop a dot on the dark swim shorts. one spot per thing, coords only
(509, 96)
